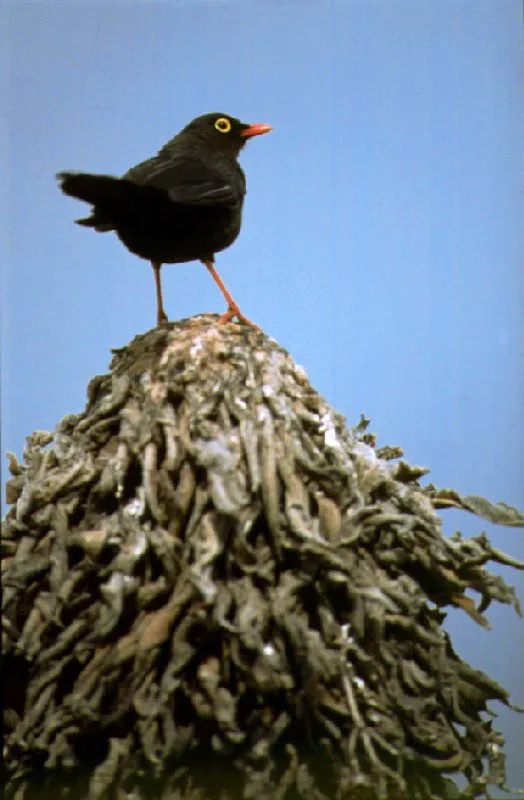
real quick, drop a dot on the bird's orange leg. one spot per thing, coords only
(161, 315)
(232, 310)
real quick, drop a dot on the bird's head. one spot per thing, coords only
(222, 132)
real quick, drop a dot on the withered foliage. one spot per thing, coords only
(212, 588)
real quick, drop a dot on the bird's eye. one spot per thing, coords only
(223, 125)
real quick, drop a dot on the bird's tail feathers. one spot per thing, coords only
(90, 188)
(109, 196)
(97, 222)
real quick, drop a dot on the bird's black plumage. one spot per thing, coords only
(183, 204)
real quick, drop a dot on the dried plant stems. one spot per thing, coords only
(213, 588)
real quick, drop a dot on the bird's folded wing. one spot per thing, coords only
(190, 181)
(205, 193)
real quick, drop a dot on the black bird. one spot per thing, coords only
(184, 204)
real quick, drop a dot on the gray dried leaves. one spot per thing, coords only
(209, 571)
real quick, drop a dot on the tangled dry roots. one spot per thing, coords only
(214, 589)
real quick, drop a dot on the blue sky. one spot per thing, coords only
(382, 241)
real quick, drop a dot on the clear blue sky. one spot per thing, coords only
(382, 242)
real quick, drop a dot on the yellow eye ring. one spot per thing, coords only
(223, 125)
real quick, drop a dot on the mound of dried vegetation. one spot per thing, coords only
(212, 588)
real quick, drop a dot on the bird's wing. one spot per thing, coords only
(190, 181)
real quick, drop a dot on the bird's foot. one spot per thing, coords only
(161, 318)
(234, 311)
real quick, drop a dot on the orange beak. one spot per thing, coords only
(255, 130)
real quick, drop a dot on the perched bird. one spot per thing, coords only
(184, 204)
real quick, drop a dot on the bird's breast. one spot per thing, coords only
(175, 233)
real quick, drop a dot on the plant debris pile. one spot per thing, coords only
(212, 588)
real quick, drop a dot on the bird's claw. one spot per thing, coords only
(234, 311)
